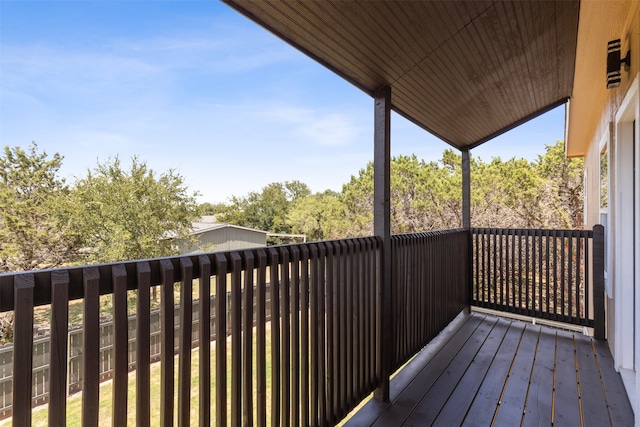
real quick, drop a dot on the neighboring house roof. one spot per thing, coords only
(203, 227)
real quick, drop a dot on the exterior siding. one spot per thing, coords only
(224, 239)
(619, 241)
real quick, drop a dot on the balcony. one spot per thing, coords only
(311, 332)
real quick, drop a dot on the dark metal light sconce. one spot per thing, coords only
(614, 63)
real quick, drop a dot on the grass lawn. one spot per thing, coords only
(74, 403)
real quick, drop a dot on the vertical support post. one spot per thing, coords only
(598, 282)
(466, 189)
(466, 222)
(382, 228)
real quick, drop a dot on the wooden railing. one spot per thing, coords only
(320, 353)
(310, 365)
(42, 352)
(429, 285)
(549, 274)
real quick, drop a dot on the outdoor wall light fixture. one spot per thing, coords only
(614, 63)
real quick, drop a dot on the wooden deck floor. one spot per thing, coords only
(490, 371)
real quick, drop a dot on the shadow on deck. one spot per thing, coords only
(491, 371)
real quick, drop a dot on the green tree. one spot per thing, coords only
(132, 214)
(563, 187)
(318, 216)
(207, 208)
(268, 209)
(505, 194)
(34, 229)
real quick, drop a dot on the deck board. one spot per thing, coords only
(483, 408)
(488, 367)
(567, 405)
(511, 407)
(540, 395)
(620, 411)
(405, 403)
(438, 395)
(467, 388)
(594, 406)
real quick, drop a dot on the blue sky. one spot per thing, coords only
(196, 87)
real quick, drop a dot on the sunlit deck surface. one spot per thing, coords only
(485, 370)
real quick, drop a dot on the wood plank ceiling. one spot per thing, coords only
(466, 71)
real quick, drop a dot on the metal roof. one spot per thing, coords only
(203, 227)
(466, 71)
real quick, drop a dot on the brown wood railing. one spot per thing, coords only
(310, 365)
(429, 285)
(549, 274)
(320, 352)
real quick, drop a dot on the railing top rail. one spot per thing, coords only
(534, 232)
(429, 233)
(74, 276)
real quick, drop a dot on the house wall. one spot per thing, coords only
(613, 132)
(225, 239)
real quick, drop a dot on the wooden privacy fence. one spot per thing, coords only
(550, 274)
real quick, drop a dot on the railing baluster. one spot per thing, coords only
(204, 336)
(143, 351)
(483, 294)
(540, 276)
(221, 270)
(561, 276)
(295, 335)
(343, 325)
(314, 329)
(91, 347)
(304, 333)
(236, 338)
(261, 341)
(527, 277)
(331, 315)
(285, 313)
(571, 292)
(548, 275)
(166, 343)
(184, 351)
(59, 354)
(23, 349)
(120, 346)
(534, 274)
(247, 371)
(321, 335)
(501, 257)
(275, 336)
(509, 268)
(579, 262)
(371, 289)
(359, 321)
(587, 282)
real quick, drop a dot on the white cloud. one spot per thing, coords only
(317, 126)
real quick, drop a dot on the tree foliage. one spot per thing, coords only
(130, 214)
(318, 216)
(115, 213)
(546, 193)
(268, 209)
(34, 230)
